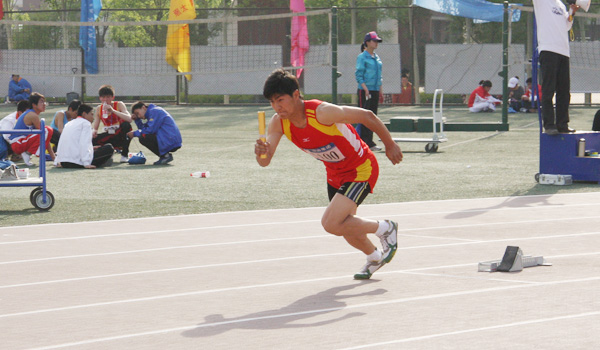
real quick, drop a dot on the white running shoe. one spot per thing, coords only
(367, 271)
(124, 159)
(389, 241)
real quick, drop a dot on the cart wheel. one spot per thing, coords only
(431, 147)
(32, 195)
(537, 177)
(38, 200)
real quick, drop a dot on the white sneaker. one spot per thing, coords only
(124, 159)
(389, 241)
(368, 270)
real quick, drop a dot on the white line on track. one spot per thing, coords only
(112, 235)
(481, 329)
(346, 307)
(269, 285)
(11, 229)
(462, 242)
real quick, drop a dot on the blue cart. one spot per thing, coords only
(41, 198)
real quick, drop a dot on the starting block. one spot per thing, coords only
(513, 261)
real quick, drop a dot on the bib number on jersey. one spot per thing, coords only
(328, 153)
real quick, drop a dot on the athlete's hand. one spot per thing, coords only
(394, 153)
(261, 147)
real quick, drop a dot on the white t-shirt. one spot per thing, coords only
(553, 25)
(75, 144)
(8, 123)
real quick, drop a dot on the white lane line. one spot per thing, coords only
(12, 230)
(481, 329)
(268, 285)
(325, 310)
(462, 242)
(163, 249)
(111, 235)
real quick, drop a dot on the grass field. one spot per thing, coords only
(220, 140)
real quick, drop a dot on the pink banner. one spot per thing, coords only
(299, 36)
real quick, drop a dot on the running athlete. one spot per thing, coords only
(116, 120)
(323, 130)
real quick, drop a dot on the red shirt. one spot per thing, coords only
(111, 119)
(478, 91)
(345, 156)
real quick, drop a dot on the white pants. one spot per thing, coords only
(483, 106)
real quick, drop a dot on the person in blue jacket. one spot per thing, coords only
(159, 133)
(368, 77)
(18, 88)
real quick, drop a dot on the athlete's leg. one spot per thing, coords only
(340, 219)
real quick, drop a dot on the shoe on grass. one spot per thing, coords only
(164, 160)
(124, 159)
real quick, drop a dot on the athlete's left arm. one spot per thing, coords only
(328, 114)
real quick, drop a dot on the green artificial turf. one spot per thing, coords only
(220, 140)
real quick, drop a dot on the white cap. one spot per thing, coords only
(512, 82)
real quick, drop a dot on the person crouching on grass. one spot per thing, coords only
(324, 131)
(159, 133)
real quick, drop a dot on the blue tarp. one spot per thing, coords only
(480, 10)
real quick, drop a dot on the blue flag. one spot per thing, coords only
(476, 9)
(90, 9)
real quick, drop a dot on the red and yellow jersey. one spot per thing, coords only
(346, 157)
(110, 119)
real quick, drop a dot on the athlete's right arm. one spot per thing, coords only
(274, 134)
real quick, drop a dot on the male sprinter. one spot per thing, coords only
(323, 130)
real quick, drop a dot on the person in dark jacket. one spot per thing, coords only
(159, 133)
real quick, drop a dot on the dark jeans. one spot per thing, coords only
(555, 79)
(118, 140)
(150, 142)
(371, 104)
(101, 155)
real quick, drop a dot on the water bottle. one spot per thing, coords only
(104, 111)
(581, 148)
(200, 174)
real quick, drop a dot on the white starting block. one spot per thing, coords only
(560, 180)
(513, 261)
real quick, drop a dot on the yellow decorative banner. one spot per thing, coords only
(178, 36)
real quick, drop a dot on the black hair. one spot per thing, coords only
(529, 80)
(280, 82)
(106, 90)
(35, 97)
(404, 76)
(23, 105)
(485, 83)
(74, 105)
(83, 108)
(137, 105)
(363, 47)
